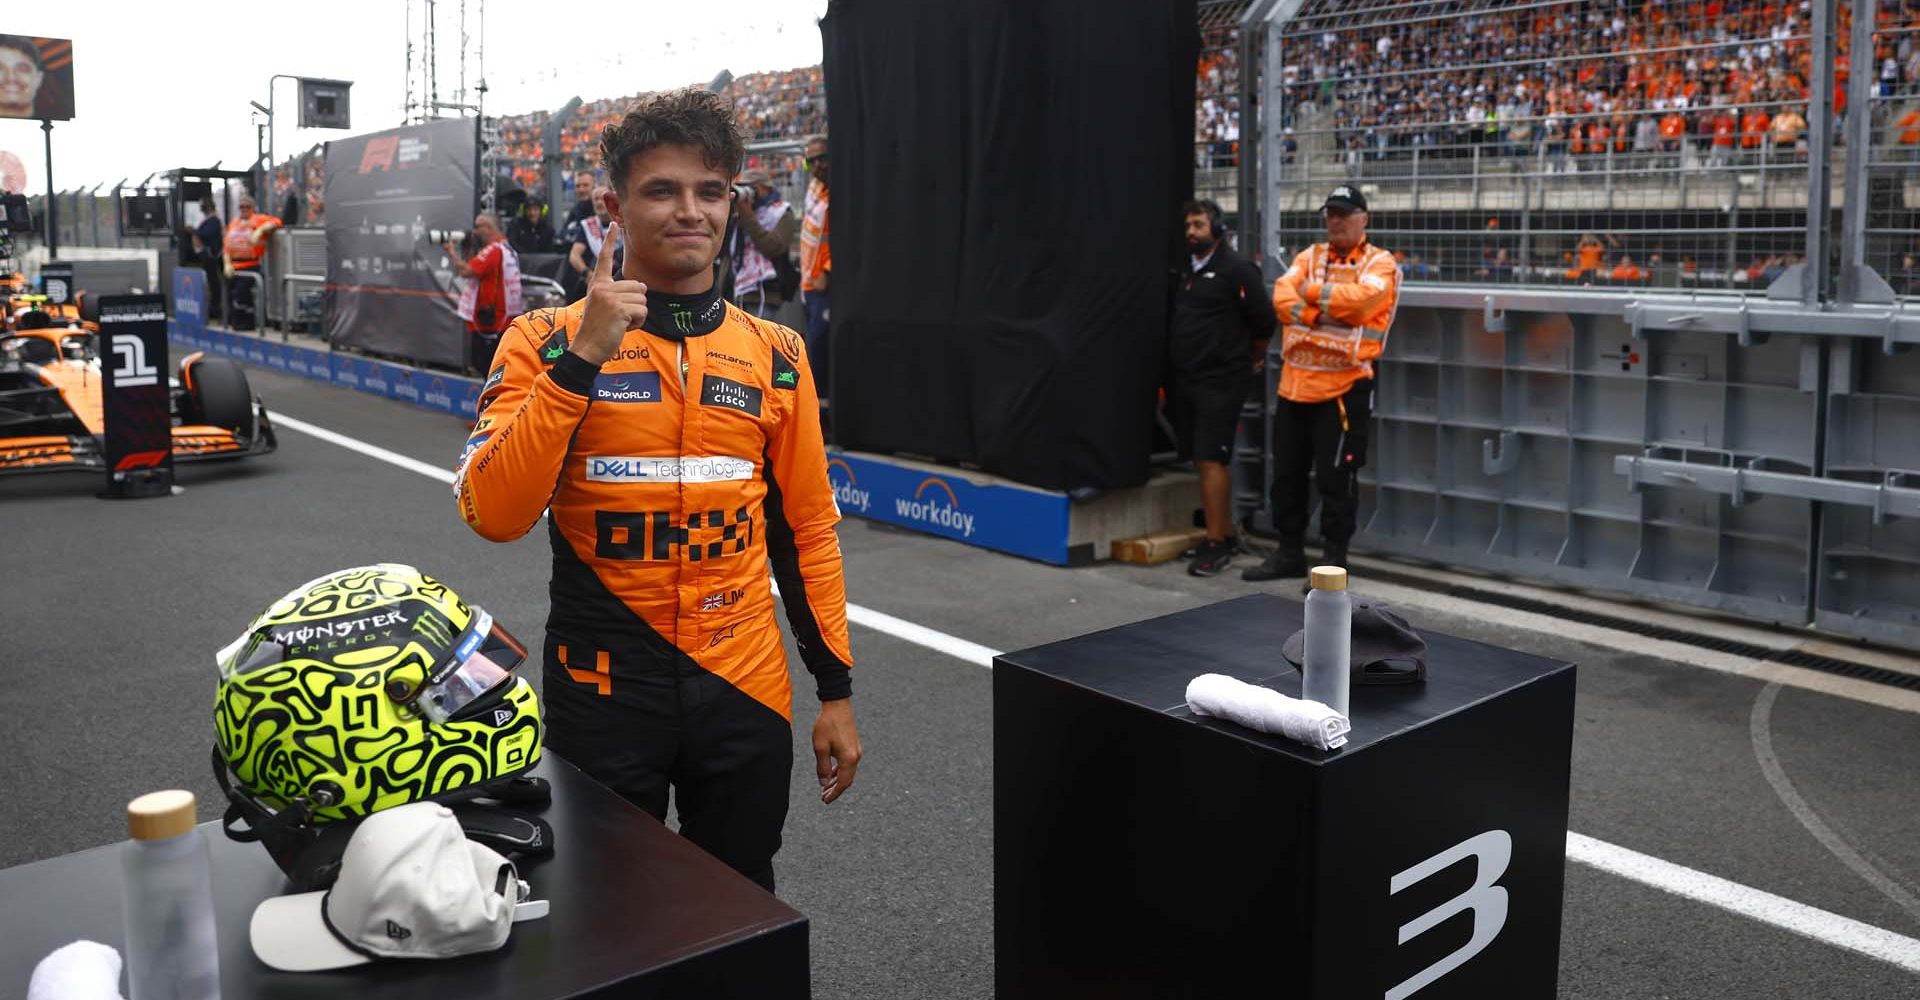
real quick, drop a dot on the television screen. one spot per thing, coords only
(143, 214)
(36, 77)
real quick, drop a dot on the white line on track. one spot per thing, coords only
(1760, 727)
(354, 444)
(1754, 904)
(1767, 908)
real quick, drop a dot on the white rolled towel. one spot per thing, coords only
(83, 970)
(1268, 711)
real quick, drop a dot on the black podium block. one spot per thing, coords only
(1140, 851)
(636, 911)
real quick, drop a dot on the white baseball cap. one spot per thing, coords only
(411, 885)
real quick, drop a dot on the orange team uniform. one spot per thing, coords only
(240, 248)
(668, 484)
(671, 476)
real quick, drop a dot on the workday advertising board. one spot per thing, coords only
(1005, 517)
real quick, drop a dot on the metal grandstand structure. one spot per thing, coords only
(1676, 360)
(430, 25)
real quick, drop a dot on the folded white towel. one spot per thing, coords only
(83, 970)
(1268, 711)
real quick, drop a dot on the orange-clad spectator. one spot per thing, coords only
(1673, 131)
(1723, 127)
(1789, 130)
(1592, 256)
(1627, 270)
(1909, 126)
(1753, 128)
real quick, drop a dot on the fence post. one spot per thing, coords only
(1416, 178)
(1476, 180)
(1859, 126)
(1817, 279)
(1524, 266)
(1733, 229)
(1606, 164)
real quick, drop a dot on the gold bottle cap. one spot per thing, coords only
(1328, 578)
(160, 815)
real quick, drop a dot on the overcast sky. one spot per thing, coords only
(162, 87)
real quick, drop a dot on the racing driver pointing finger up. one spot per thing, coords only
(676, 441)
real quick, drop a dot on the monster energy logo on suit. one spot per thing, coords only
(682, 319)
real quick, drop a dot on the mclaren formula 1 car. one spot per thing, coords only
(51, 414)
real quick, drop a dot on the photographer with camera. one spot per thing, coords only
(764, 226)
(489, 289)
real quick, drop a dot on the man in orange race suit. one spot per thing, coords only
(1335, 306)
(676, 442)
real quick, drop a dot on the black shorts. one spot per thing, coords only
(1206, 412)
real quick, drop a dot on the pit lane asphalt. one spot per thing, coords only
(112, 611)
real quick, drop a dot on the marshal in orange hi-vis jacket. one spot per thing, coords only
(672, 473)
(1335, 310)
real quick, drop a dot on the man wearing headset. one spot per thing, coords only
(1221, 323)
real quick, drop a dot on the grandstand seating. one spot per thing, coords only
(1575, 77)
(781, 105)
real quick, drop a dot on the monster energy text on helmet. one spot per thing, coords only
(370, 688)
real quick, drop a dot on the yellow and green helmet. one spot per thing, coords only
(370, 688)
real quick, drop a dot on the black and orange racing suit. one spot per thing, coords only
(672, 474)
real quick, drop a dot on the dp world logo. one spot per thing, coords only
(846, 491)
(934, 504)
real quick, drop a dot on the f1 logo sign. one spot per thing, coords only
(1488, 901)
(130, 367)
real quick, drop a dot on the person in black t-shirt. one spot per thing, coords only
(1222, 320)
(208, 239)
(583, 206)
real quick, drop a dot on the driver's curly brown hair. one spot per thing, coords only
(690, 117)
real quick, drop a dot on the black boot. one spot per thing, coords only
(1333, 554)
(1283, 563)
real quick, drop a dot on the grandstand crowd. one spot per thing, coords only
(783, 105)
(1580, 78)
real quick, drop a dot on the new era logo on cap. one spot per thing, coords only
(411, 885)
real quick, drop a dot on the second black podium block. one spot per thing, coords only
(1142, 852)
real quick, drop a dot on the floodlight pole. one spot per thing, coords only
(53, 211)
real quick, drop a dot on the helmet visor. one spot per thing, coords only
(482, 660)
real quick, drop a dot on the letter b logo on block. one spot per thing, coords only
(1491, 851)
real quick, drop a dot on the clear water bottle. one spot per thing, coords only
(1325, 674)
(171, 950)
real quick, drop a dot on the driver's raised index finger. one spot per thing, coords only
(603, 264)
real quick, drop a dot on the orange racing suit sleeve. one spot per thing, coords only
(801, 542)
(513, 460)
